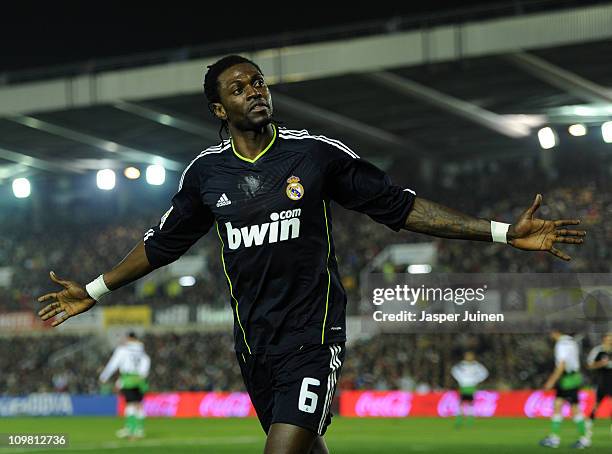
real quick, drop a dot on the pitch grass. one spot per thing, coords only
(345, 436)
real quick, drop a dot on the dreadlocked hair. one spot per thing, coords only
(211, 85)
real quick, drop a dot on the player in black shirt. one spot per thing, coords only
(600, 362)
(266, 194)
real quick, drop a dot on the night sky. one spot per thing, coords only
(40, 34)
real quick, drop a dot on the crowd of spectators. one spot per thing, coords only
(81, 252)
(422, 362)
(189, 361)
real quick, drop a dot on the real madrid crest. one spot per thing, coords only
(295, 190)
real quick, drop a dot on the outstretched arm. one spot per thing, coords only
(74, 299)
(134, 266)
(434, 219)
(527, 233)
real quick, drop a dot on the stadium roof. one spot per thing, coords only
(454, 91)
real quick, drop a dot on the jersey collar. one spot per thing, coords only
(260, 154)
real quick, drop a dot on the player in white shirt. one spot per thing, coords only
(133, 365)
(566, 379)
(469, 373)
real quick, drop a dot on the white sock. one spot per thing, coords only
(130, 410)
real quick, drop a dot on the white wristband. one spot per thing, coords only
(97, 288)
(499, 231)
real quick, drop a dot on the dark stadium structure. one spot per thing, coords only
(460, 88)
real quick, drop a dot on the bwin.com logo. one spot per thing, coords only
(285, 226)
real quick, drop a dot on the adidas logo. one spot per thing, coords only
(223, 201)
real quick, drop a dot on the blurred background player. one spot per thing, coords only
(469, 373)
(566, 379)
(133, 364)
(600, 362)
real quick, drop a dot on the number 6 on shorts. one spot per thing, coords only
(305, 395)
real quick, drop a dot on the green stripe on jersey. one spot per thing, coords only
(229, 281)
(328, 273)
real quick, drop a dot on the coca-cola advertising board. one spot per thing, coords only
(400, 404)
(382, 404)
(196, 405)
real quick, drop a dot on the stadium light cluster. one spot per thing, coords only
(548, 137)
(155, 175)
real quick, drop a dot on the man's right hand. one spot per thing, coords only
(72, 300)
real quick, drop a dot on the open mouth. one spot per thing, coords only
(259, 107)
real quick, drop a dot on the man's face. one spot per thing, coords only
(246, 102)
(607, 341)
(469, 356)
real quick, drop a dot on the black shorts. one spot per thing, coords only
(132, 394)
(466, 397)
(603, 391)
(294, 388)
(569, 395)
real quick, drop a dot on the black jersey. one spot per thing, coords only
(603, 375)
(272, 217)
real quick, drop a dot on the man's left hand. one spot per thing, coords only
(532, 234)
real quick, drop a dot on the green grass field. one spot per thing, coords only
(345, 436)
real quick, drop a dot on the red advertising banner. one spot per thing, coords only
(384, 404)
(400, 404)
(195, 405)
